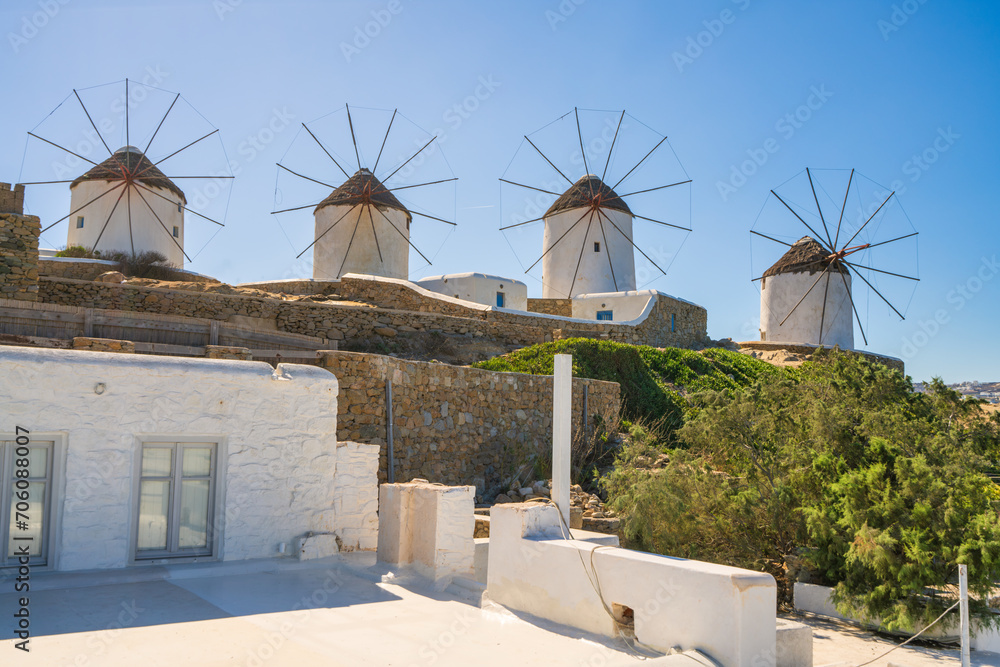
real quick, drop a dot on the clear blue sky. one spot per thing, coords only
(896, 78)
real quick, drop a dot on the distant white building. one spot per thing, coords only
(587, 242)
(144, 209)
(480, 288)
(361, 228)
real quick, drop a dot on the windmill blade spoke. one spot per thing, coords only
(128, 205)
(156, 131)
(113, 209)
(814, 232)
(173, 178)
(84, 107)
(889, 273)
(165, 230)
(870, 218)
(522, 223)
(662, 187)
(858, 274)
(556, 242)
(583, 246)
(898, 238)
(819, 209)
(127, 142)
(607, 252)
(547, 159)
(368, 208)
(400, 232)
(350, 124)
(850, 296)
(638, 163)
(650, 259)
(771, 238)
(45, 182)
(295, 208)
(660, 222)
(281, 166)
(316, 139)
(799, 302)
(382, 188)
(530, 187)
(350, 243)
(31, 134)
(822, 316)
(612, 149)
(384, 139)
(184, 148)
(453, 224)
(843, 208)
(336, 222)
(154, 192)
(583, 152)
(111, 189)
(408, 160)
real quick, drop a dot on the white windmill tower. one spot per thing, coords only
(590, 230)
(361, 226)
(808, 296)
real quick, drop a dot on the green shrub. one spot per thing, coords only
(145, 264)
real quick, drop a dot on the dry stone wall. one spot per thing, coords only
(559, 307)
(454, 424)
(18, 255)
(75, 268)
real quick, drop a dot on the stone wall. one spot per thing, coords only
(18, 255)
(295, 286)
(560, 307)
(414, 311)
(81, 268)
(11, 201)
(454, 424)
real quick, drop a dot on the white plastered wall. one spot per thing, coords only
(626, 306)
(364, 255)
(147, 233)
(780, 293)
(276, 432)
(479, 288)
(595, 274)
(724, 612)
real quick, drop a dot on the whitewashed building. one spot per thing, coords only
(361, 228)
(587, 242)
(144, 209)
(480, 288)
(795, 308)
(136, 460)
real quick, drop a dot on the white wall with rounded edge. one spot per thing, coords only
(281, 473)
(595, 274)
(147, 233)
(329, 251)
(780, 293)
(625, 306)
(479, 288)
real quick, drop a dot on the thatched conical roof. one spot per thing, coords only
(130, 160)
(582, 193)
(807, 255)
(361, 188)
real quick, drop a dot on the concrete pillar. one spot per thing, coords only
(562, 426)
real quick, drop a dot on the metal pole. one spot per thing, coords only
(388, 431)
(963, 591)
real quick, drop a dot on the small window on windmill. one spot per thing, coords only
(501, 300)
(605, 315)
(177, 232)
(79, 222)
(180, 207)
(597, 246)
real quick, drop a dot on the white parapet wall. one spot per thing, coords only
(428, 528)
(277, 470)
(725, 612)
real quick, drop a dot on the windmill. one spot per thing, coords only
(130, 200)
(362, 224)
(590, 229)
(857, 236)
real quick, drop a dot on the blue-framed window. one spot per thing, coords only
(606, 315)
